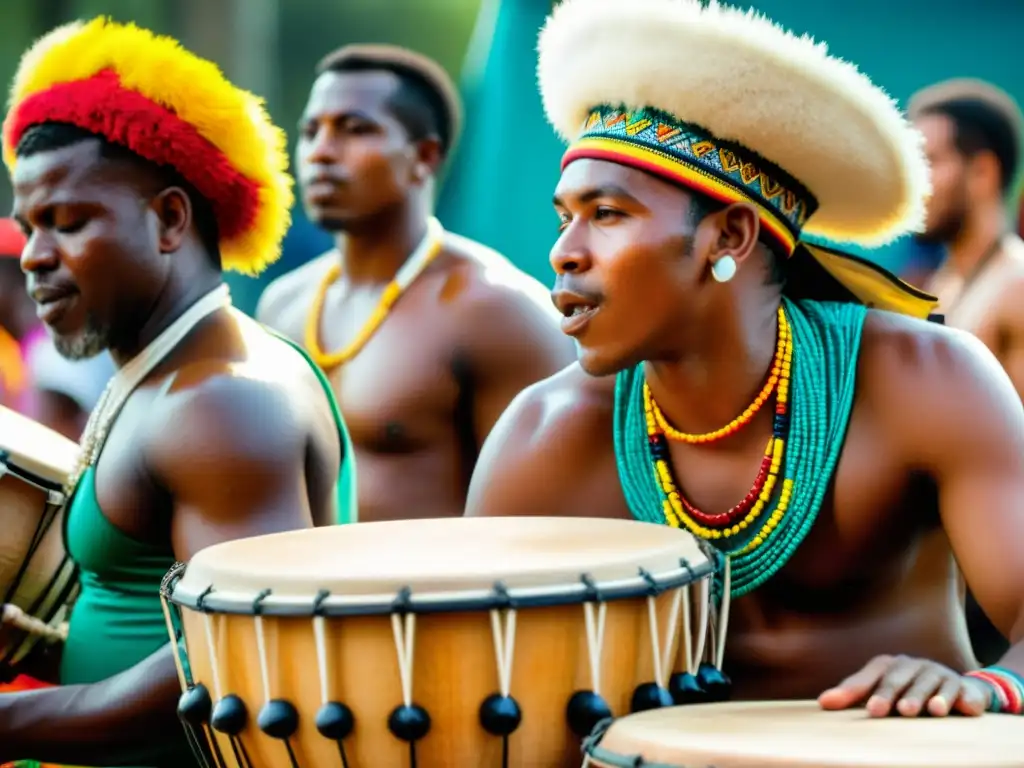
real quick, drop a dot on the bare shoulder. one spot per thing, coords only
(284, 292)
(485, 279)
(551, 446)
(929, 384)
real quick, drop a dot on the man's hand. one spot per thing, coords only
(910, 687)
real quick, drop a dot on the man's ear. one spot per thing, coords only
(173, 210)
(429, 157)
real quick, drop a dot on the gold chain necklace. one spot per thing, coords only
(424, 254)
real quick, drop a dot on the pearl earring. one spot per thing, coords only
(724, 269)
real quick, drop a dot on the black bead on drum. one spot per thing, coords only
(686, 690)
(585, 710)
(500, 715)
(649, 696)
(335, 721)
(714, 681)
(195, 705)
(409, 723)
(278, 719)
(229, 715)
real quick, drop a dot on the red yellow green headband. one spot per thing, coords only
(169, 106)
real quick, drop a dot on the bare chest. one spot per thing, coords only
(397, 381)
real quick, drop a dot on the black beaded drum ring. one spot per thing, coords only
(210, 603)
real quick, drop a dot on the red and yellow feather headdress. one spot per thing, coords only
(146, 92)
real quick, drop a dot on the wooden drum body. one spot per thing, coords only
(37, 578)
(799, 734)
(454, 642)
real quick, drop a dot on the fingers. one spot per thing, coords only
(854, 689)
(927, 684)
(941, 704)
(897, 680)
(974, 698)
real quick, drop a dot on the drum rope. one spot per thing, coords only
(723, 614)
(595, 641)
(704, 603)
(687, 639)
(214, 666)
(320, 636)
(405, 635)
(261, 649)
(661, 657)
(504, 646)
(170, 631)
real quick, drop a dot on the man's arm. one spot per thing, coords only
(549, 454)
(956, 418)
(233, 465)
(975, 452)
(513, 340)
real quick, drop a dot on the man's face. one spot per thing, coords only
(91, 251)
(354, 157)
(626, 280)
(947, 207)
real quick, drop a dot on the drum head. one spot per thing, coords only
(448, 556)
(801, 735)
(36, 448)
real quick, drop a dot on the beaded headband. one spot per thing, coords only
(145, 92)
(723, 101)
(656, 142)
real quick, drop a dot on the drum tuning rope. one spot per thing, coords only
(595, 619)
(404, 630)
(661, 659)
(504, 645)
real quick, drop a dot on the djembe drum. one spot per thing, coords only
(447, 642)
(37, 578)
(800, 734)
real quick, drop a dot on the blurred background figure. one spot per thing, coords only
(972, 132)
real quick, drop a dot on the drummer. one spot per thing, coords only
(139, 172)
(705, 144)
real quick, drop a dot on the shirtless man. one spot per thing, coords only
(470, 331)
(901, 442)
(972, 136)
(213, 429)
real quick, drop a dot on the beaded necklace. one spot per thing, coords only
(128, 377)
(425, 253)
(814, 396)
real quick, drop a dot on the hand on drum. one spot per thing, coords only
(908, 687)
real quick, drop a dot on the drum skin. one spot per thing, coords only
(800, 734)
(455, 666)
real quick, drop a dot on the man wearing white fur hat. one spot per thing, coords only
(705, 145)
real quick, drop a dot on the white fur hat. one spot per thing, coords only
(792, 126)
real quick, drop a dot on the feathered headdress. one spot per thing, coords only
(147, 93)
(725, 102)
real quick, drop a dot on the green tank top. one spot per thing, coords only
(117, 620)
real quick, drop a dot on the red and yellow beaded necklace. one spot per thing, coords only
(681, 513)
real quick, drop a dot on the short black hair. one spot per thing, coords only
(702, 206)
(426, 102)
(50, 136)
(985, 119)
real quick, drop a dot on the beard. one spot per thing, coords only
(85, 344)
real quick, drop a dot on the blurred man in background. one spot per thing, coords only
(972, 136)
(425, 335)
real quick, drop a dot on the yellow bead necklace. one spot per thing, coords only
(425, 253)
